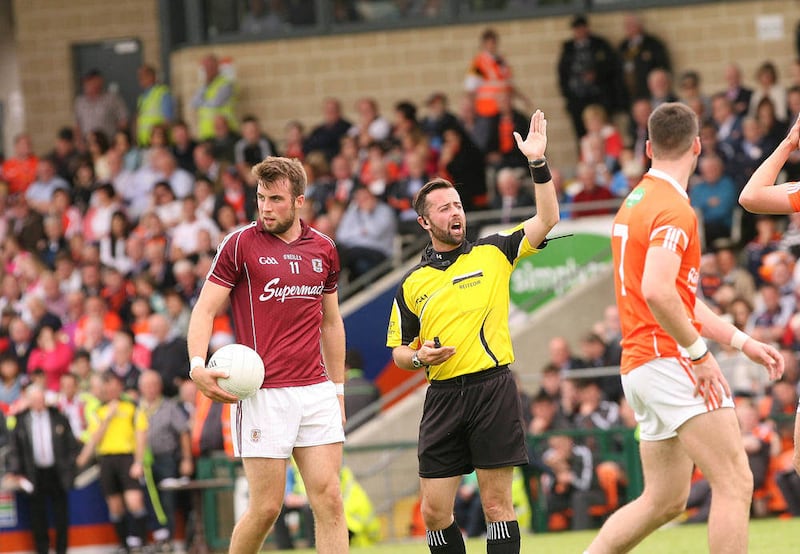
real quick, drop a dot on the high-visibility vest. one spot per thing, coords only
(149, 112)
(202, 406)
(205, 115)
(495, 80)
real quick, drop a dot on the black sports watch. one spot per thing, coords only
(415, 361)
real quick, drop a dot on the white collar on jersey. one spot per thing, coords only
(658, 174)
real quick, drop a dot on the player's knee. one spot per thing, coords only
(436, 515)
(498, 508)
(672, 509)
(265, 513)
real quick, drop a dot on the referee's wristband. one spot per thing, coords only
(697, 350)
(539, 171)
(738, 339)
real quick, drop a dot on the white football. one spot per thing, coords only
(244, 367)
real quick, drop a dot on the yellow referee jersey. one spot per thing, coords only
(120, 435)
(462, 297)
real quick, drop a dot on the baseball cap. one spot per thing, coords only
(579, 21)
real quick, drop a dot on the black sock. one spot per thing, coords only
(121, 527)
(446, 541)
(502, 537)
(139, 527)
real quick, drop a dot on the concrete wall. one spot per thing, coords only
(10, 92)
(288, 79)
(45, 33)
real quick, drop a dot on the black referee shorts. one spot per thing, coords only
(115, 474)
(472, 421)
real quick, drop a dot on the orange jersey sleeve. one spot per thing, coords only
(793, 190)
(656, 214)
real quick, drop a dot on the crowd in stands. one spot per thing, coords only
(108, 233)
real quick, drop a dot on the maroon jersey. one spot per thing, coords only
(276, 298)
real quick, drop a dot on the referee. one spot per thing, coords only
(450, 316)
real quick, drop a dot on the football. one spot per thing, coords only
(244, 367)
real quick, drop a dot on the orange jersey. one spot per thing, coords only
(794, 195)
(656, 213)
(495, 80)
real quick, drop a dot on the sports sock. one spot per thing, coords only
(502, 537)
(446, 541)
(121, 527)
(139, 527)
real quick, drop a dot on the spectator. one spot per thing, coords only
(767, 240)
(594, 353)
(574, 486)
(732, 273)
(737, 94)
(592, 191)
(641, 53)
(169, 354)
(253, 147)
(371, 126)
(510, 194)
(216, 96)
(488, 79)
(715, 198)
(166, 169)
(659, 84)
(42, 458)
(122, 365)
(769, 87)
(11, 380)
(502, 151)
(20, 341)
(588, 73)
(365, 236)
(113, 246)
(186, 234)
(39, 194)
(223, 143)
(770, 318)
(359, 392)
(437, 119)
(691, 94)
(64, 154)
(326, 136)
(183, 146)
(206, 164)
(52, 355)
(461, 162)
(70, 403)
(19, 171)
(293, 138)
(401, 194)
(169, 442)
(595, 121)
(155, 105)
(637, 137)
(774, 129)
(98, 109)
(235, 195)
(561, 356)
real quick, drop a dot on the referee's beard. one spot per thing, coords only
(447, 235)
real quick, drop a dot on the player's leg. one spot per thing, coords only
(667, 470)
(714, 442)
(266, 479)
(320, 466)
(502, 529)
(438, 498)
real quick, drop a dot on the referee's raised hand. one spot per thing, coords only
(535, 143)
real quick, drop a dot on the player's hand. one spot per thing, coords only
(430, 354)
(710, 383)
(793, 138)
(137, 471)
(535, 143)
(766, 355)
(206, 381)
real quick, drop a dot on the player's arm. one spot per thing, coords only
(658, 289)
(333, 344)
(533, 147)
(714, 327)
(212, 297)
(760, 195)
(796, 458)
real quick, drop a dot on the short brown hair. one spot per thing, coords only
(672, 128)
(273, 169)
(420, 205)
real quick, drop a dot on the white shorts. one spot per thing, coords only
(661, 393)
(272, 422)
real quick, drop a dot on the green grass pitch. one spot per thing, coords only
(767, 536)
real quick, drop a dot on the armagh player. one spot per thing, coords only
(450, 316)
(760, 195)
(281, 277)
(682, 401)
